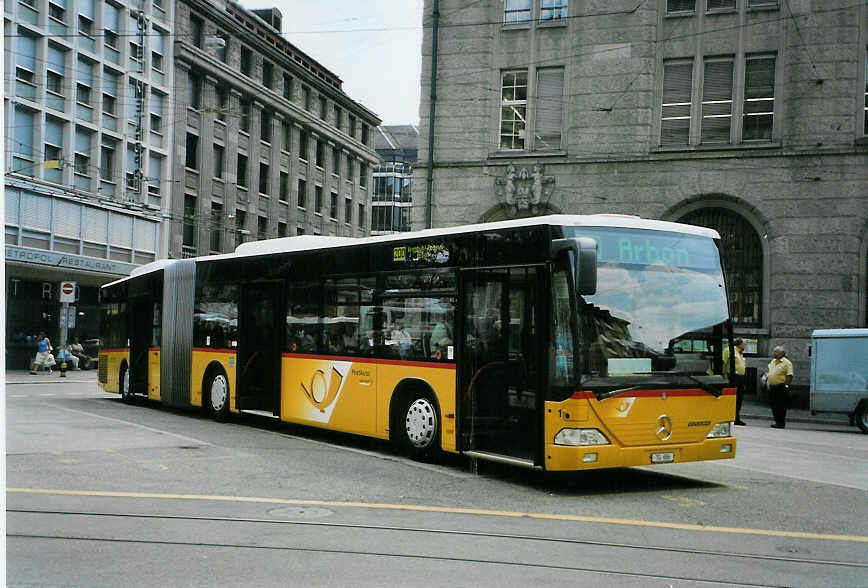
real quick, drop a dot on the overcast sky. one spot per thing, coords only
(374, 46)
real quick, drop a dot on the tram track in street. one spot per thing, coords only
(784, 559)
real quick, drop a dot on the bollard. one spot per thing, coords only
(63, 368)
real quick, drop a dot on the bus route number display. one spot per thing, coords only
(430, 253)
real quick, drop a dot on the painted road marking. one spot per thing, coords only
(449, 510)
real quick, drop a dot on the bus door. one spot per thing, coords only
(501, 362)
(260, 341)
(141, 314)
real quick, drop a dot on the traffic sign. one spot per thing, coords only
(67, 291)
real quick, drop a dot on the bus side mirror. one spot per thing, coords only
(584, 251)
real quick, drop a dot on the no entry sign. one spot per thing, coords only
(67, 291)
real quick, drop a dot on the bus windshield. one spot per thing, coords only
(658, 314)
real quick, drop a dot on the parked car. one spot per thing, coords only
(839, 373)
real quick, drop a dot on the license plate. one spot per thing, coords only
(668, 457)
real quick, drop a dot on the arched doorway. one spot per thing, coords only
(742, 253)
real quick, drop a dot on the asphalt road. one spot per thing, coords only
(100, 493)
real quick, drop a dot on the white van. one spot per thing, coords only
(839, 373)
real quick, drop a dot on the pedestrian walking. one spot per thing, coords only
(44, 359)
(739, 346)
(780, 376)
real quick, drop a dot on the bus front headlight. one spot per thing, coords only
(578, 437)
(721, 430)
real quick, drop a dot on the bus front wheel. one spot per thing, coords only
(417, 426)
(124, 385)
(217, 386)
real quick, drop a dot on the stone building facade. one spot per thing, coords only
(87, 103)
(267, 144)
(748, 116)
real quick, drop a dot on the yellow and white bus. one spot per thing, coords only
(558, 342)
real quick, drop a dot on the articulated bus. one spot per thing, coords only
(559, 342)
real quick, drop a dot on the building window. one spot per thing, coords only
(333, 206)
(196, 26)
(156, 112)
(549, 108)
(348, 210)
(240, 226)
(317, 201)
(361, 216)
(306, 98)
(287, 86)
(85, 82)
(350, 170)
(302, 146)
(262, 227)
(246, 61)
(263, 178)
(287, 137)
(56, 65)
(241, 170)
(741, 253)
(155, 173)
(717, 106)
(364, 134)
(516, 11)
(363, 175)
(323, 107)
(85, 26)
(284, 186)
(761, 3)
(513, 109)
(265, 126)
(759, 99)
(338, 115)
(865, 108)
(82, 152)
(111, 19)
(195, 87)
(192, 153)
(157, 43)
(336, 161)
(109, 92)
(244, 122)
(302, 193)
(281, 229)
(267, 74)
(53, 147)
(673, 6)
(222, 104)
(677, 102)
(320, 152)
(553, 9)
(189, 229)
(216, 227)
(57, 11)
(219, 153)
(25, 60)
(351, 125)
(22, 145)
(716, 101)
(107, 160)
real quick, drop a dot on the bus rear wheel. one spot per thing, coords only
(217, 386)
(862, 416)
(417, 425)
(124, 385)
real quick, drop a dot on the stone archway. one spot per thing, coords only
(744, 250)
(500, 212)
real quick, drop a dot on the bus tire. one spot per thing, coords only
(216, 392)
(416, 424)
(862, 415)
(124, 384)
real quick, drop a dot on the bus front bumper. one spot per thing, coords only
(570, 458)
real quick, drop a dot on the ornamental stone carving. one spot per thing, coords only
(524, 190)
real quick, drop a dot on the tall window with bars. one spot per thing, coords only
(717, 101)
(677, 102)
(759, 98)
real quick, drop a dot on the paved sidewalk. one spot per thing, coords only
(72, 377)
(753, 409)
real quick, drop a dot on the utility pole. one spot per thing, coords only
(432, 106)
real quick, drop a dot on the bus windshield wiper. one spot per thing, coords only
(611, 393)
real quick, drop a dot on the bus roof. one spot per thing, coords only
(313, 242)
(823, 333)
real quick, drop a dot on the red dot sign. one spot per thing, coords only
(67, 288)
